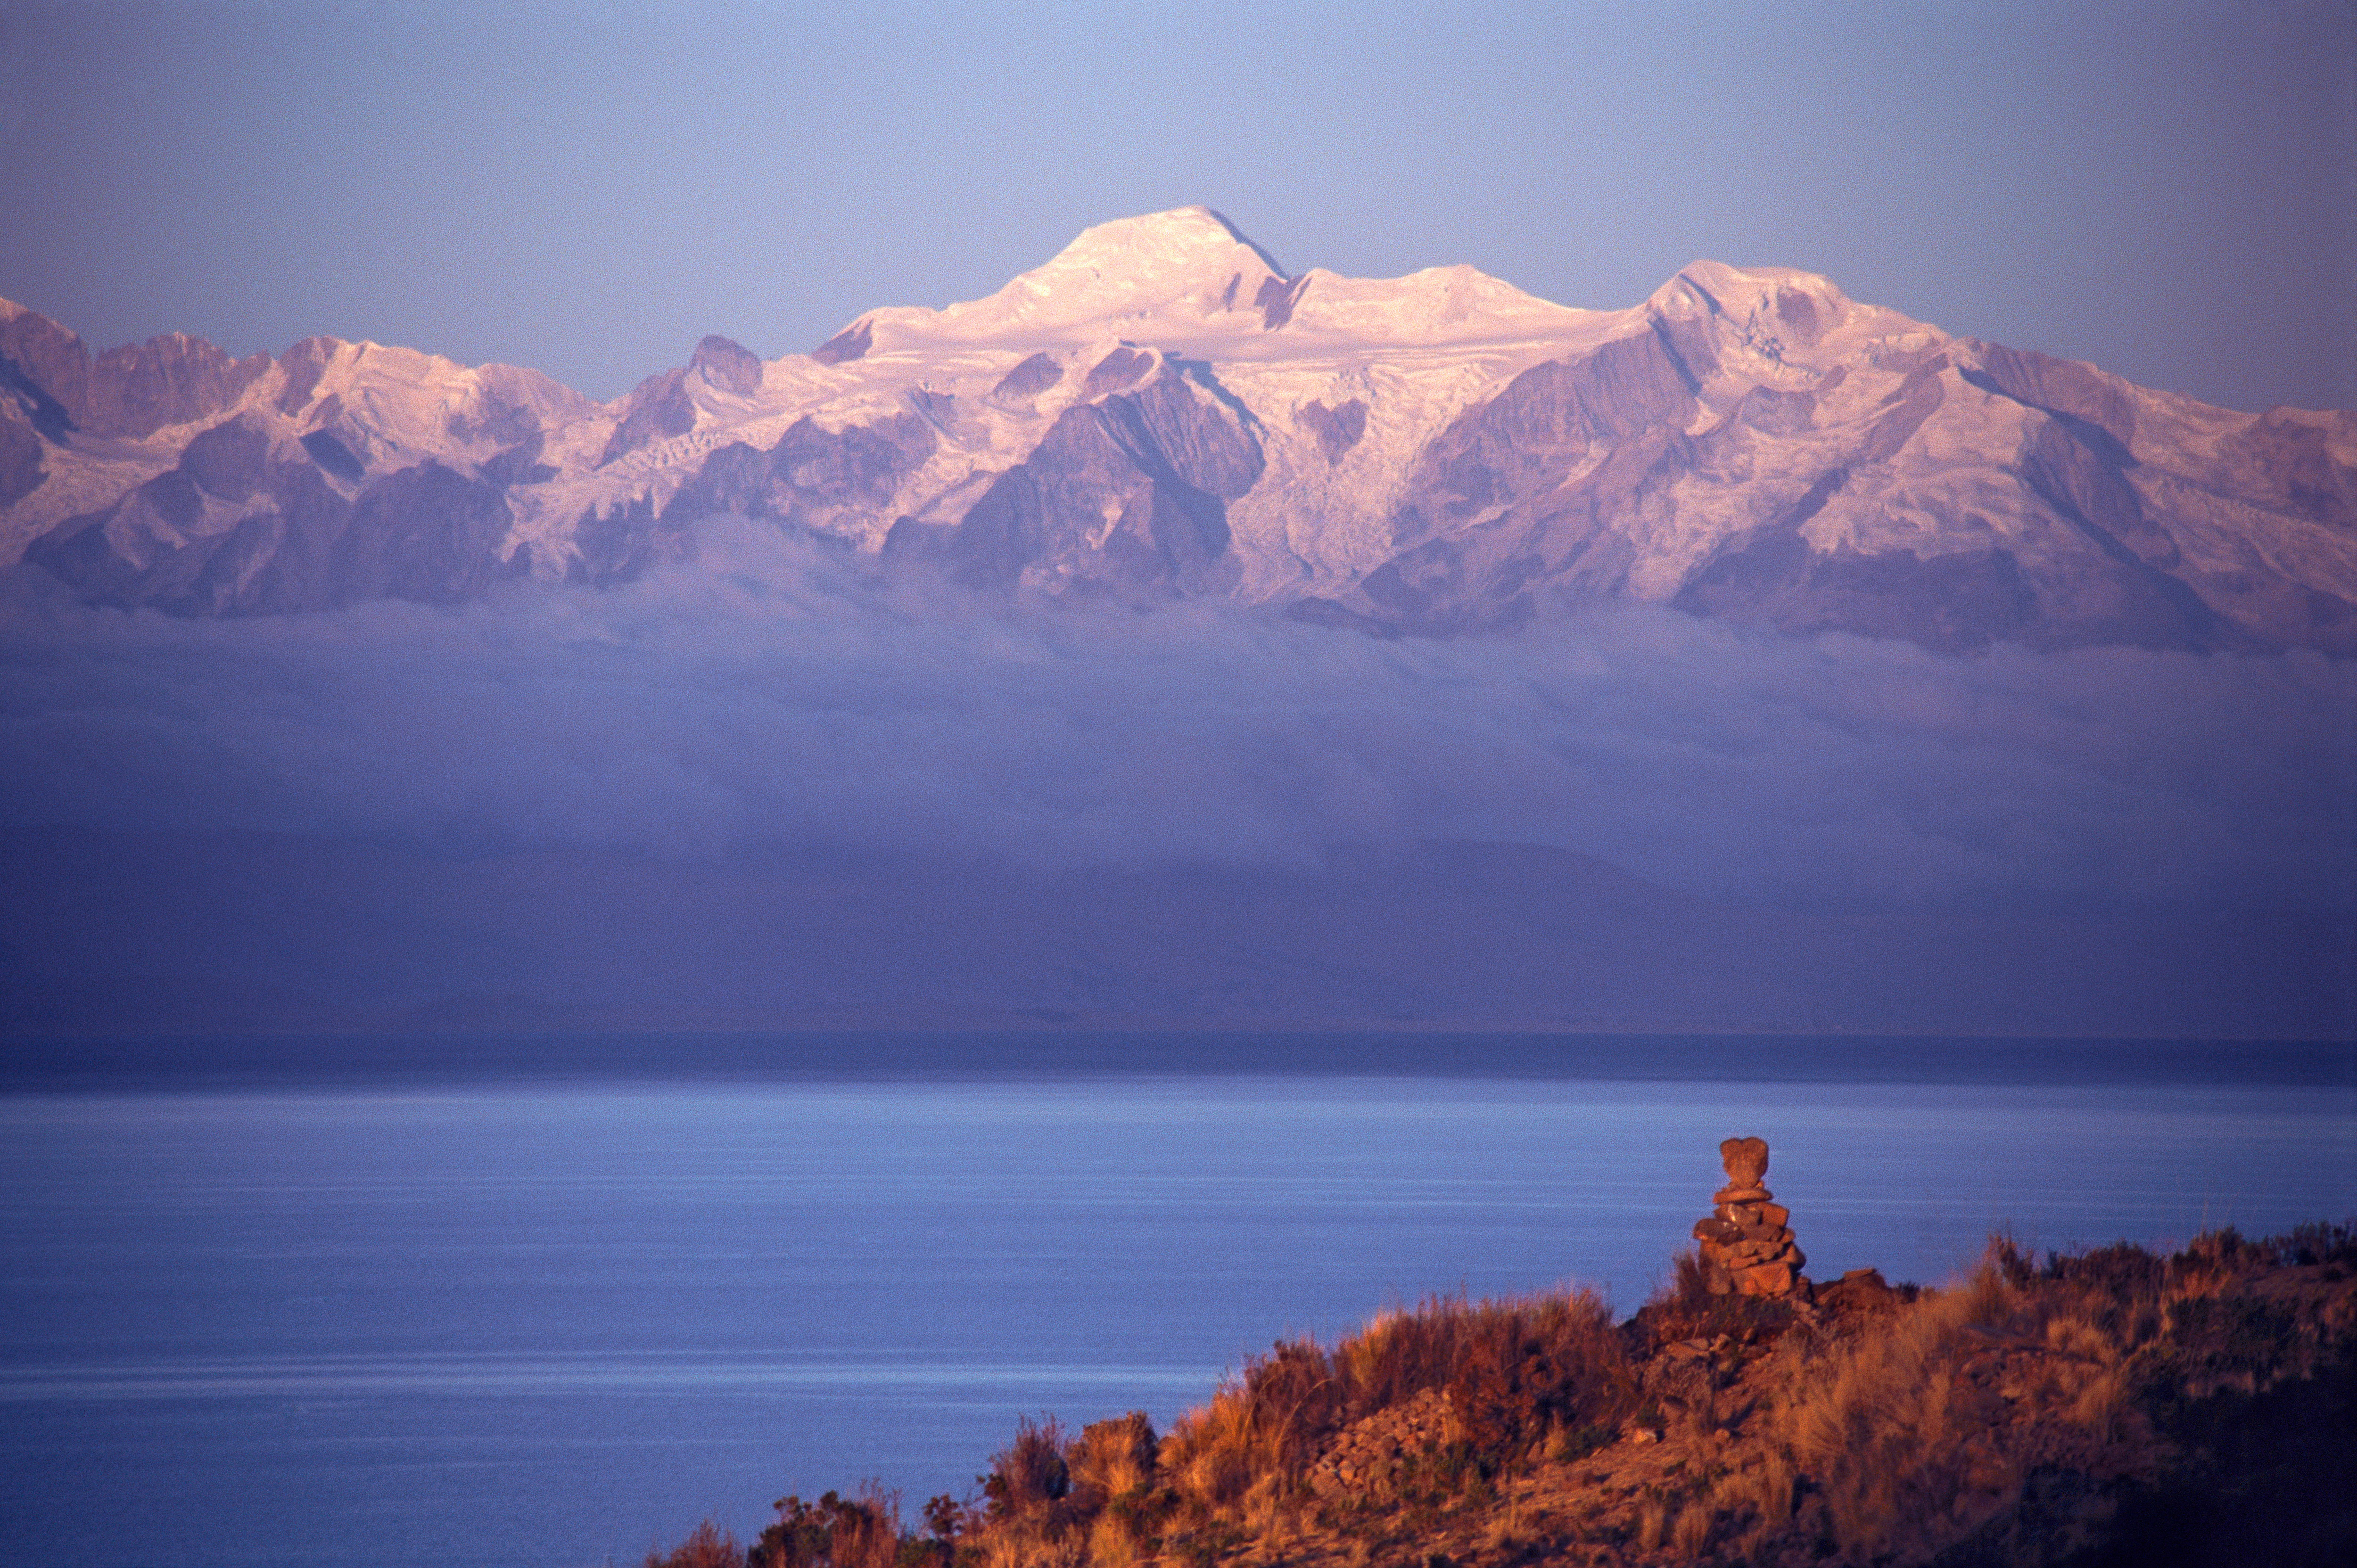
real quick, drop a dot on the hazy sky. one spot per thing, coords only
(776, 691)
(2170, 190)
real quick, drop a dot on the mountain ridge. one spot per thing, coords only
(1161, 412)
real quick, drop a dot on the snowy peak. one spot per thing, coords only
(1437, 306)
(1190, 278)
(1190, 260)
(1179, 274)
(1158, 246)
(1800, 306)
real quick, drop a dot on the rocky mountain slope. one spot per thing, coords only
(1162, 411)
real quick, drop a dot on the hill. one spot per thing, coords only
(2101, 1408)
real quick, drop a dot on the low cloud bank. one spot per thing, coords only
(773, 694)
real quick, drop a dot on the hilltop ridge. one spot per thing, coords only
(2112, 1406)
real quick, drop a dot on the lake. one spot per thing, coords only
(553, 1301)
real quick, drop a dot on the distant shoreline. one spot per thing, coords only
(227, 1061)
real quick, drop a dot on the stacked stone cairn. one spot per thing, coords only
(1747, 1247)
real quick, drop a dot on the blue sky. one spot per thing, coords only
(2170, 190)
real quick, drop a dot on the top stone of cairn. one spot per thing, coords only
(1745, 1160)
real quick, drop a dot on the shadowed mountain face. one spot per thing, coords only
(1160, 412)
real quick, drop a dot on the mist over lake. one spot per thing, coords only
(769, 789)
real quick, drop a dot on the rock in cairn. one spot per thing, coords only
(1747, 1247)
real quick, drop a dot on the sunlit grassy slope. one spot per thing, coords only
(2111, 1407)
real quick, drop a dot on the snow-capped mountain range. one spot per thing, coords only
(1161, 411)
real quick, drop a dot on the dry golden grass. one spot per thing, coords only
(1516, 1373)
(1114, 1458)
(706, 1546)
(1927, 1431)
(2020, 1416)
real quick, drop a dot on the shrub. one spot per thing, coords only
(1112, 1459)
(1524, 1367)
(1114, 1464)
(1514, 1372)
(947, 1517)
(1686, 1309)
(706, 1546)
(1029, 1475)
(2333, 1246)
(835, 1532)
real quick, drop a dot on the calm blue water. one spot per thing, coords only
(341, 1319)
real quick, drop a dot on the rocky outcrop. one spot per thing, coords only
(1373, 1458)
(1126, 497)
(172, 380)
(1530, 493)
(21, 472)
(44, 368)
(728, 365)
(133, 391)
(1338, 429)
(657, 408)
(815, 479)
(428, 533)
(245, 525)
(851, 343)
(1747, 1245)
(1028, 380)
